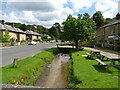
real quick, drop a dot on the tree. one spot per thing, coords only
(23, 27)
(108, 20)
(98, 18)
(80, 28)
(55, 31)
(6, 37)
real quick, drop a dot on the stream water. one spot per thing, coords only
(56, 73)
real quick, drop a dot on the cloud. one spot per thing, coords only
(108, 7)
(43, 13)
(82, 4)
(47, 12)
(31, 6)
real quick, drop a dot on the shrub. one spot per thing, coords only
(6, 37)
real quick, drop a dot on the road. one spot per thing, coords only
(21, 52)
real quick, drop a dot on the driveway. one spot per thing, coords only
(21, 52)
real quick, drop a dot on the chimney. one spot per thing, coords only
(118, 16)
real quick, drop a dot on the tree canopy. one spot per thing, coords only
(55, 31)
(81, 28)
(6, 37)
(98, 18)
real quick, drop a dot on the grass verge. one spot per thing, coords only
(28, 69)
(85, 73)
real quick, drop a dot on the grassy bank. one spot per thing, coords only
(27, 70)
(85, 73)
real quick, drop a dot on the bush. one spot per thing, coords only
(6, 37)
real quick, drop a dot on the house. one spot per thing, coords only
(12, 31)
(15, 33)
(45, 36)
(108, 36)
(21, 35)
(30, 35)
(38, 35)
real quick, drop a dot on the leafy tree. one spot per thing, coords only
(108, 20)
(80, 28)
(23, 27)
(55, 31)
(6, 37)
(98, 18)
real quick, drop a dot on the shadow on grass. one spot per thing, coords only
(11, 67)
(101, 68)
(89, 58)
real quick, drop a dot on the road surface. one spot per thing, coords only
(21, 52)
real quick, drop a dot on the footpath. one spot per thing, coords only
(111, 52)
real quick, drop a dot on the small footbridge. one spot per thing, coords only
(65, 48)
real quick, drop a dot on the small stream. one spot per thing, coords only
(56, 73)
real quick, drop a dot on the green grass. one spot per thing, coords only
(27, 70)
(87, 74)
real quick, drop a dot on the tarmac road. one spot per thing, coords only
(21, 52)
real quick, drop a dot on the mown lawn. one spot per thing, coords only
(85, 73)
(27, 70)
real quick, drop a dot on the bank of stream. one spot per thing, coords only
(56, 73)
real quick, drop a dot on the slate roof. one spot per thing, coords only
(44, 35)
(36, 34)
(19, 30)
(32, 33)
(112, 23)
(29, 32)
(9, 28)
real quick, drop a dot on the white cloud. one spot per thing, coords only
(82, 4)
(108, 7)
(43, 13)
(47, 12)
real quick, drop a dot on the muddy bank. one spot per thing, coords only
(56, 73)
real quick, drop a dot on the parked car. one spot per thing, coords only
(32, 42)
(52, 41)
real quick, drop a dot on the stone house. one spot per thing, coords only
(30, 35)
(38, 35)
(12, 31)
(21, 35)
(108, 36)
(15, 33)
(45, 36)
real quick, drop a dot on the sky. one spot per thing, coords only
(47, 12)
